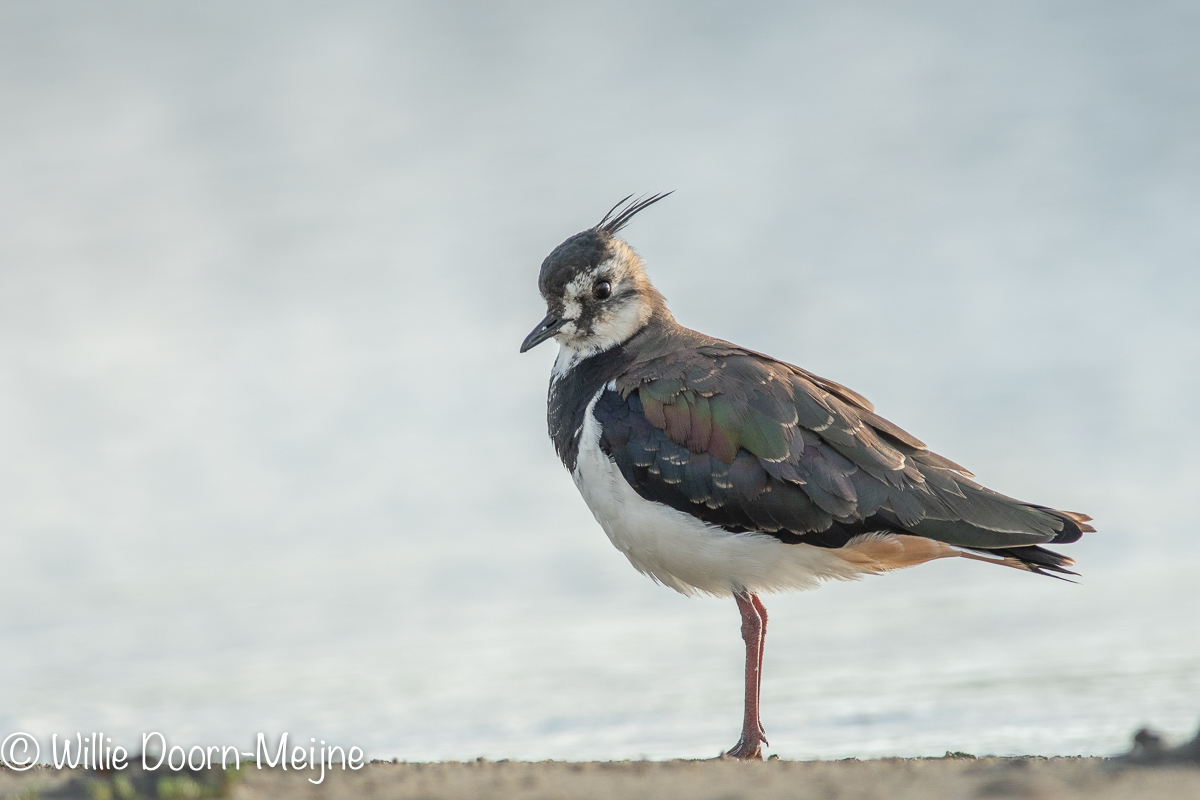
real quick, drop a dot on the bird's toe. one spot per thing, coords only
(745, 751)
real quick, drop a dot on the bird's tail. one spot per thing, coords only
(1031, 558)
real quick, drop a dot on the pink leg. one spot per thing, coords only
(762, 646)
(754, 631)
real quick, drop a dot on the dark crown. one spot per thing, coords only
(589, 248)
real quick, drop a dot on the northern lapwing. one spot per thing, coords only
(722, 471)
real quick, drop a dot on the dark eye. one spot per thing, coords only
(602, 290)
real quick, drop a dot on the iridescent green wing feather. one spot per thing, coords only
(753, 444)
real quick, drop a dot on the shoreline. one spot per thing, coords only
(952, 777)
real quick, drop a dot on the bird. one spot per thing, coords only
(718, 470)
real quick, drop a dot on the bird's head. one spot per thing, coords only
(595, 286)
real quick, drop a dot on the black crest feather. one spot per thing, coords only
(619, 215)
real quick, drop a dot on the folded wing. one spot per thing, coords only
(752, 444)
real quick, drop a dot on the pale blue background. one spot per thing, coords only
(269, 459)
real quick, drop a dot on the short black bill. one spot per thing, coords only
(544, 330)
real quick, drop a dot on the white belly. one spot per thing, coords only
(684, 553)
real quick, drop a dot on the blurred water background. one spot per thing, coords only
(270, 461)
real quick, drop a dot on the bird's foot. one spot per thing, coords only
(748, 748)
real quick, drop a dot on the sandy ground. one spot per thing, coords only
(894, 779)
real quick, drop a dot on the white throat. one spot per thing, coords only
(568, 357)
